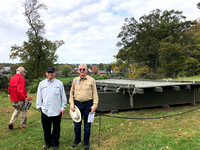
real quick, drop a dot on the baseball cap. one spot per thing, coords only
(21, 69)
(50, 69)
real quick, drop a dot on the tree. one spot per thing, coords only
(37, 53)
(198, 5)
(172, 57)
(192, 50)
(65, 70)
(116, 69)
(95, 70)
(4, 81)
(108, 68)
(140, 40)
(101, 66)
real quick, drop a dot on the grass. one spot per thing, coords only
(65, 79)
(176, 133)
(196, 78)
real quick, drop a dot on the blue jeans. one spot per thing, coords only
(85, 109)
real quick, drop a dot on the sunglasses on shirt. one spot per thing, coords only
(82, 69)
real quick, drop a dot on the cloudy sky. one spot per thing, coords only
(89, 28)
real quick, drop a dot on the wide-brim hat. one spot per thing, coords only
(76, 114)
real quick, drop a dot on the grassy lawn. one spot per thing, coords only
(176, 133)
(65, 79)
(196, 78)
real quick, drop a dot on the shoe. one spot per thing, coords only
(75, 144)
(46, 147)
(55, 147)
(10, 126)
(87, 147)
(21, 127)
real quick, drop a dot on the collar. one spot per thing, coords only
(50, 81)
(83, 78)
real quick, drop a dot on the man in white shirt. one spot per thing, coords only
(51, 100)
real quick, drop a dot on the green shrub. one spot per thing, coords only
(99, 77)
(3, 95)
(65, 79)
(152, 75)
(32, 88)
(4, 81)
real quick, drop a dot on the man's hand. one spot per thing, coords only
(72, 108)
(30, 98)
(92, 109)
(62, 112)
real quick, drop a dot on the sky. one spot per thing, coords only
(89, 28)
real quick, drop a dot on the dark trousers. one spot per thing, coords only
(51, 138)
(85, 109)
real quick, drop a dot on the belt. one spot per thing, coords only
(84, 101)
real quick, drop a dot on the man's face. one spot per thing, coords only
(50, 75)
(23, 73)
(83, 71)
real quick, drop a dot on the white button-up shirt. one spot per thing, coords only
(51, 97)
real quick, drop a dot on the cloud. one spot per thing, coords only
(89, 28)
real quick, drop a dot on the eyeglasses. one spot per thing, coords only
(50, 72)
(82, 69)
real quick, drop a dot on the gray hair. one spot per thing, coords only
(83, 65)
(18, 71)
